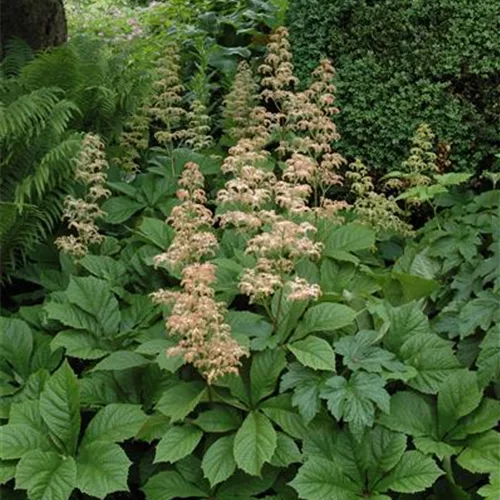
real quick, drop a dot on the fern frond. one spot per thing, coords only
(17, 54)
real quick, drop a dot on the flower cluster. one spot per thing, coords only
(196, 317)
(191, 221)
(198, 129)
(418, 169)
(277, 252)
(82, 213)
(133, 139)
(241, 121)
(166, 106)
(375, 209)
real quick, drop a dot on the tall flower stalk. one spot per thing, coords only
(196, 318)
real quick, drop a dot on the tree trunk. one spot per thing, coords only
(40, 23)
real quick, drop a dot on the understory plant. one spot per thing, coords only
(242, 332)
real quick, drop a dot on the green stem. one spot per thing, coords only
(448, 469)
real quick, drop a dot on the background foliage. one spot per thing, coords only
(403, 62)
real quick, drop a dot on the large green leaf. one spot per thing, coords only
(482, 453)
(266, 368)
(381, 449)
(218, 462)
(411, 413)
(281, 411)
(414, 472)
(169, 485)
(16, 344)
(119, 208)
(433, 358)
(18, 439)
(322, 479)
(27, 413)
(218, 420)
(315, 353)
(115, 422)
(350, 238)
(255, 443)
(121, 360)
(404, 323)
(354, 400)
(60, 408)
(360, 353)
(94, 296)
(306, 385)
(7, 471)
(324, 317)
(78, 344)
(46, 475)
(458, 396)
(102, 468)
(482, 419)
(488, 361)
(178, 442)
(180, 400)
(104, 267)
(286, 452)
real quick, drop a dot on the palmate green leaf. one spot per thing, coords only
(315, 353)
(306, 385)
(321, 479)
(241, 486)
(490, 491)
(78, 344)
(169, 485)
(324, 317)
(430, 446)
(221, 419)
(286, 452)
(118, 209)
(354, 400)
(180, 400)
(433, 358)
(7, 470)
(405, 322)
(94, 296)
(121, 360)
(254, 443)
(480, 312)
(488, 361)
(412, 414)
(46, 475)
(102, 468)
(414, 472)
(482, 419)
(27, 413)
(350, 238)
(381, 449)
(178, 442)
(18, 439)
(265, 371)
(218, 462)
(458, 396)
(104, 267)
(60, 408)
(116, 423)
(154, 428)
(482, 453)
(72, 316)
(359, 352)
(16, 344)
(280, 410)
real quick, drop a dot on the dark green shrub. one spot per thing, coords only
(401, 62)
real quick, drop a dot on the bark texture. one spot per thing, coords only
(40, 23)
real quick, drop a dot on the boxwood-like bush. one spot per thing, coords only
(402, 62)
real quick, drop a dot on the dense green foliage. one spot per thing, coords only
(402, 62)
(381, 383)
